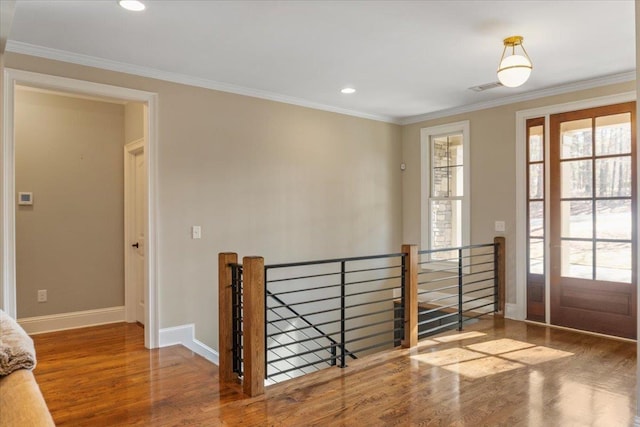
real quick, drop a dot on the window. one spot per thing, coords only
(445, 188)
(536, 166)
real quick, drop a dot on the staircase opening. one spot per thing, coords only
(282, 321)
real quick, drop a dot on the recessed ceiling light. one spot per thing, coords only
(134, 5)
(348, 90)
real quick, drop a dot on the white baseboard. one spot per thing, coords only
(580, 331)
(73, 320)
(185, 335)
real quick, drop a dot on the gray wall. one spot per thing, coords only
(70, 242)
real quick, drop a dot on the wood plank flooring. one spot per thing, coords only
(495, 373)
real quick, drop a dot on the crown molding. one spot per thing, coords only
(7, 11)
(92, 61)
(626, 76)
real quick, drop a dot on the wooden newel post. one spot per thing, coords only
(254, 327)
(410, 296)
(225, 315)
(500, 273)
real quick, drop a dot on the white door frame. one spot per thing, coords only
(518, 310)
(14, 77)
(131, 151)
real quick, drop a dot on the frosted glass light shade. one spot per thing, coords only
(514, 70)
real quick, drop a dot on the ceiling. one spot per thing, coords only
(407, 59)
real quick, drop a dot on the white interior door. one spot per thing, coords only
(139, 228)
(135, 226)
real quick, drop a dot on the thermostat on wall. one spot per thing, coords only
(25, 198)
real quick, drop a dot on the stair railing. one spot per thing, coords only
(280, 321)
(281, 343)
(338, 296)
(283, 304)
(458, 285)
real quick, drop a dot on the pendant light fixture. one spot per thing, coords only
(514, 69)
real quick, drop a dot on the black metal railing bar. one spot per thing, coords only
(444, 288)
(333, 260)
(286, 347)
(330, 322)
(457, 248)
(301, 367)
(292, 340)
(283, 319)
(237, 324)
(306, 338)
(435, 329)
(467, 286)
(358, 298)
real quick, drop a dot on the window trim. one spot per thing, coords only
(462, 127)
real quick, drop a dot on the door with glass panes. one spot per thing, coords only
(592, 235)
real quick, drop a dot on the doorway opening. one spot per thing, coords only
(577, 234)
(592, 219)
(15, 78)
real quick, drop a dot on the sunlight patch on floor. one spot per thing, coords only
(459, 337)
(446, 357)
(483, 367)
(490, 357)
(503, 345)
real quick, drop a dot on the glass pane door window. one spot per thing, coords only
(536, 219)
(593, 236)
(596, 209)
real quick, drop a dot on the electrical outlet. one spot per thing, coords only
(500, 226)
(42, 295)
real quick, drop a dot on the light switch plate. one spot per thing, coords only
(500, 226)
(196, 232)
(42, 295)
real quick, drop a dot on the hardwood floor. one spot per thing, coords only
(501, 373)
